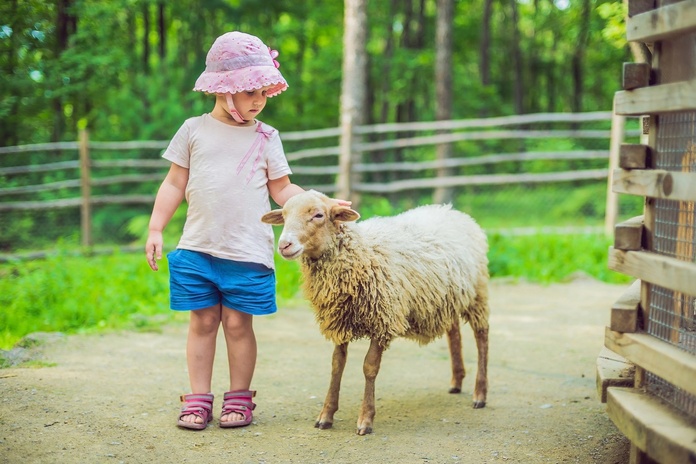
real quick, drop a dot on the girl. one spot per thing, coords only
(225, 163)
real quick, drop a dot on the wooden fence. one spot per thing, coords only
(320, 163)
(647, 372)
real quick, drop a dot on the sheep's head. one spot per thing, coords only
(311, 221)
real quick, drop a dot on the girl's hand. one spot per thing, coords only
(153, 249)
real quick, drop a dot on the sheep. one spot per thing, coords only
(413, 275)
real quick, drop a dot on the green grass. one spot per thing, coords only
(552, 258)
(74, 294)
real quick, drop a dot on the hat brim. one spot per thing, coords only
(242, 80)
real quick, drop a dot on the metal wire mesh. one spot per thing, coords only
(672, 314)
(672, 395)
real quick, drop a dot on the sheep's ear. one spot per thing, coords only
(344, 214)
(274, 217)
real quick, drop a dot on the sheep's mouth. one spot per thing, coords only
(291, 255)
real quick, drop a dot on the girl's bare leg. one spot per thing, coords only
(200, 350)
(241, 351)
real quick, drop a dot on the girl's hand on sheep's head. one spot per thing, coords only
(343, 202)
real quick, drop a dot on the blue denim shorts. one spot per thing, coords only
(198, 280)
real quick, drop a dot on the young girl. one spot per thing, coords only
(225, 163)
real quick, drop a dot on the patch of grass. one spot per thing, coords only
(35, 364)
(548, 258)
(72, 294)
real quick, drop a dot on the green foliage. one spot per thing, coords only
(78, 294)
(72, 294)
(549, 258)
(109, 66)
(543, 205)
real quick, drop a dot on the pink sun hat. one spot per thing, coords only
(239, 62)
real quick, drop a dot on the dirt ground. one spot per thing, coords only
(114, 398)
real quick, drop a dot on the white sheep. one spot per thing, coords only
(413, 275)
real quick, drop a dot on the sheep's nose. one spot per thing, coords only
(284, 244)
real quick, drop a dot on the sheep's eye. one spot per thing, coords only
(318, 216)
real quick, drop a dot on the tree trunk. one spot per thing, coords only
(162, 29)
(579, 56)
(518, 84)
(352, 95)
(443, 88)
(146, 38)
(65, 27)
(485, 46)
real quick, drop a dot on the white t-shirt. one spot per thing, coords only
(226, 191)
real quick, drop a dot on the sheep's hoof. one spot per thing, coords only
(364, 430)
(323, 425)
(479, 404)
(455, 390)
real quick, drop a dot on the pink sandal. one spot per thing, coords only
(238, 402)
(199, 405)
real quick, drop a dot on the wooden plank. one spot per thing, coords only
(612, 371)
(636, 7)
(634, 156)
(625, 312)
(34, 147)
(635, 75)
(662, 23)
(483, 179)
(618, 135)
(85, 190)
(44, 204)
(513, 120)
(663, 98)
(660, 431)
(57, 166)
(673, 364)
(658, 269)
(480, 135)
(656, 183)
(628, 235)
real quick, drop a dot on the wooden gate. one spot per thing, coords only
(647, 372)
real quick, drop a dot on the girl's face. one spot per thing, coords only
(248, 105)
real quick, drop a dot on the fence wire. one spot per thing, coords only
(671, 314)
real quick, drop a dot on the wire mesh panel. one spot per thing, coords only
(672, 395)
(671, 314)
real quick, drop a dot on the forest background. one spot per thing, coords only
(124, 70)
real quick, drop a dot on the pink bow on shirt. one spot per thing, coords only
(263, 136)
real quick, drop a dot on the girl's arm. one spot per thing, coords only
(282, 189)
(169, 197)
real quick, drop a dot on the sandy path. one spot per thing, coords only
(114, 398)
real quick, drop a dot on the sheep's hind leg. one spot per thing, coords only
(454, 341)
(373, 359)
(481, 387)
(338, 363)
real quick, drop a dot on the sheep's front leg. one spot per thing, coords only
(373, 359)
(454, 340)
(338, 363)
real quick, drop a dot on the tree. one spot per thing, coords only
(443, 87)
(352, 92)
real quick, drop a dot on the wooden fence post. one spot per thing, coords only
(85, 189)
(618, 130)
